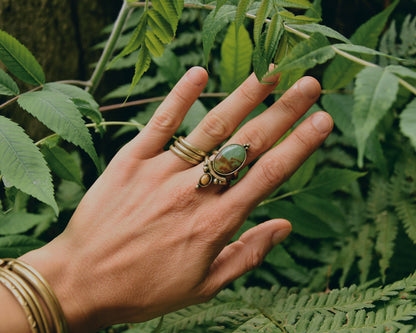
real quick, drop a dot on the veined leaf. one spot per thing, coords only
(241, 13)
(332, 179)
(362, 50)
(302, 175)
(61, 115)
(213, 24)
(364, 247)
(153, 44)
(18, 222)
(408, 122)
(142, 65)
(219, 4)
(193, 117)
(341, 71)
(260, 19)
(401, 71)
(136, 39)
(16, 245)
(324, 30)
(275, 31)
(307, 54)
(62, 163)
(7, 86)
(19, 61)
(316, 10)
(375, 92)
(235, 58)
(406, 210)
(160, 27)
(22, 165)
(304, 4)
(169, 10)
(340, 107)
(169, 67)
(289, 17)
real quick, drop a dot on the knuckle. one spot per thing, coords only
(165, 121)
(247, 94)
(301, 139)
(214, 126)
(255, 137)
(272, 172)
(288, 106)
(254, 259)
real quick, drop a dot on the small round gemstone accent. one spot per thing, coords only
(229, 159)
(205, 180)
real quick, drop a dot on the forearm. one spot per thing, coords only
(12, 316)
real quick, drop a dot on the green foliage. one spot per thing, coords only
(352, 204)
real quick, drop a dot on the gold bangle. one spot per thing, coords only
(21, 296)
(41, 286)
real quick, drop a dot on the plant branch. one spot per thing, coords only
(109, 48)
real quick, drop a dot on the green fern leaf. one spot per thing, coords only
(375, 92)
(386, 225)
(307, 54)
(324, 30)
(364, 246)
(341, 71)
(236, 53)
(213, 24)
(170, 10)
(7, 86)
(408, 122)
(406, 210)
(22, 165)
(61, 115)
(153, 44)
(274, 32)
(19, 61)
(241, 13)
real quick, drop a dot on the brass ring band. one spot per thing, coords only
(192, 148)
(183, 156)
(187, 152)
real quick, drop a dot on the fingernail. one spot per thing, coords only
(197, 75)
(280, 235)
(274, 78)
(309, 87)
(322, 122)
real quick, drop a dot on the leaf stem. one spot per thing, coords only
(280, 197)
(103, 123)
(109, 48)
(14, 99)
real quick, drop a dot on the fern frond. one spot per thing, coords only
(406, 211)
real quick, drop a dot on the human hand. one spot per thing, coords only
(144, 241)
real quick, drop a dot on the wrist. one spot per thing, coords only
(52, 263)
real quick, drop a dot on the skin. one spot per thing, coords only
(144, 241)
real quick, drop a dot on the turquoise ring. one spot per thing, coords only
(223, 165)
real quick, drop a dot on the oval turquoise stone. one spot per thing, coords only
(229, 159)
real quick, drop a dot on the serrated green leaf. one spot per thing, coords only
(274, 32)
(62, 163)
(332, 179)
(136, 40)
(16, 245)
(340, 107)
(375, 92)
(241, 13)
(19, 61)
(22, 165)
(324, 30)
(307, 54)
(304, 4)
(61, 115)
(236, 51)
(169, 10)
(408, 122)
(364, 248)
(260, 19)
(303, 175)
(18, 222)
(161, 28)
(316, 10)
(401, 71)
(213, 24)
(341, 71)
(7, 86)
(82, 99)
(142, 65)
(362, 50)
(289, 17)
(153, 44)
(169, 67)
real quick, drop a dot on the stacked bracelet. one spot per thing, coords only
(31, 291)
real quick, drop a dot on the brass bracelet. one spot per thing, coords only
(21, 296)
(42, 288)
